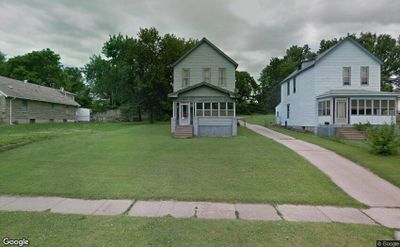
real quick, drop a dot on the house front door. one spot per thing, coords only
(184, 116)
(341, 111)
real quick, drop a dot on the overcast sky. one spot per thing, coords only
(249, 31)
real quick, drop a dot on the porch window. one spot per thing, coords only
(376, 107)
(361, 107)
(222, 109)
(354, 107)
(384, 107)
(346, 75)
(324, 108)
(230, 109)
(214, 109)
(207, 75)
(221, 77)
(368, 107)
(199, 109)
(207, 109)
(320, 108)
(364, 70)
(185, 77)
(392, 105)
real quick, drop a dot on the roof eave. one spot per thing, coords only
(205, 40)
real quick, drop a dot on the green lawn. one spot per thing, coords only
(45, 229)
(387, 167)
(144, 161)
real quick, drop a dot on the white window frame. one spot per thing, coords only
(205, 72)
(361, 75)
(344, 77)
(222, 76)
(185, 77)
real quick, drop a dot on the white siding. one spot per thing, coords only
(328, 75)
(324, 76)
(204, 57)
(302, 103)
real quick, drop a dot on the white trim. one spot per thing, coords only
(5, 95)
(187, 121)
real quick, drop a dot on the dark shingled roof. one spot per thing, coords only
(24, 90)
(202, 41)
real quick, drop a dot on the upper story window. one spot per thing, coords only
(364, 70)
(294, 85)
(288, 87)
(222, 76)
(185, 77)
(288, 111)
(207, 75)
(24, 106)
(346, 75)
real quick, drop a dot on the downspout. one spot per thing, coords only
(10, 116)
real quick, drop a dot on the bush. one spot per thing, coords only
(362, 127)
(384, 140)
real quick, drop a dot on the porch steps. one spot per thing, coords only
(350, 133)
(184, 131)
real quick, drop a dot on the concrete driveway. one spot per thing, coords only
(355, 180)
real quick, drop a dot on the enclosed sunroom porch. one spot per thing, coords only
(205, 109)
(349, 107)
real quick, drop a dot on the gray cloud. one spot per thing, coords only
(250, 31)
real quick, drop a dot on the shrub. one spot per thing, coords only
(362, 127)
(384, 140)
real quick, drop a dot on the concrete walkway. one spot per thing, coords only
(356, 181)
(203, 210)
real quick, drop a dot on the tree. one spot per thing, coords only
(246, 89)
(38, 67)
(277, 70)
(136, 74)
(2, 58)
(2, 62)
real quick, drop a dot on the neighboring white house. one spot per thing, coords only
(340, 88)
(203, 96)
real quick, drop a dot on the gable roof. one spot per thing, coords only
(24, 90)
(202, 41)
(201, 84)
(328, 51)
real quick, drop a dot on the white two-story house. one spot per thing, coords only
(340, 88)
(203, 96)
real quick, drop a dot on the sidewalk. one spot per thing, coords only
(202, 210)
(356, 181)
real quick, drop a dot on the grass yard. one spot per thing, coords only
(144, 161)
(387, 167)
(74, 230)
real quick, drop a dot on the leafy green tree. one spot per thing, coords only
(246, 89)
(277, 70)
(246, 86)
(38, 67)
(136, 74)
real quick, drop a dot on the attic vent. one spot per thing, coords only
(10, 87)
